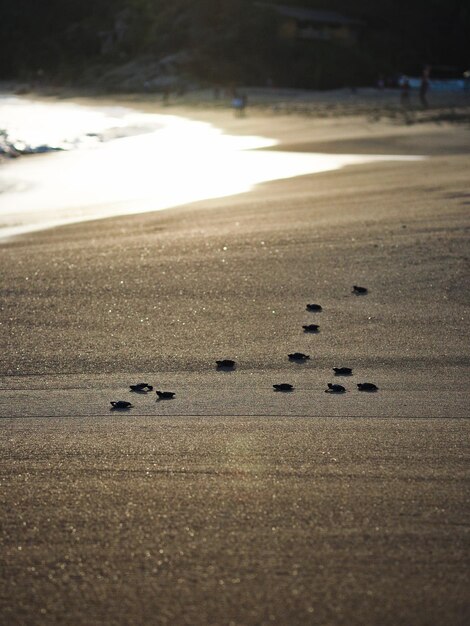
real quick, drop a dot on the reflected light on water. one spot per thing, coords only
(178, 162)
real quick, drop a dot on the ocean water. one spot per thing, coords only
(117, 161)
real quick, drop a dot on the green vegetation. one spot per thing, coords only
(227, 41)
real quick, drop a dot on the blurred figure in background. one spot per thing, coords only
(405, 91)
(466, 80)
(424, 87)
(239, 103)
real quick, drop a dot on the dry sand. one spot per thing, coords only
(233, 504)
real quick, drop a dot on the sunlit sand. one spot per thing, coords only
(172, 161)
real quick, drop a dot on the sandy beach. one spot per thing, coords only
(233, 504)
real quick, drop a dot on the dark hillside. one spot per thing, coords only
(229, 41)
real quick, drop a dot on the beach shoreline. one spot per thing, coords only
(233, 504)
(326, 144)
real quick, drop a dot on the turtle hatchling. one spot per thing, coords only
(311, 328)
(298, 356)
(332, 388)
(225, 363)
(359, 291)
(141, 388)
(165, 395)
(367, 387)
(342, 371)
(283, 387)
(120, 404)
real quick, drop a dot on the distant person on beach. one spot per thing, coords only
(239, 103)
(466, 80)
(166, 96)
(424, 88)
(405, 91)
(244, 103)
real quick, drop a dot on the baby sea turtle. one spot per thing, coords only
(141, 387)
(313, 307)
(120, 405)
(342, 371)
(165, 395)
(311, 328)
(283, 387)
(298, 356)
(359, 291)
(335, 388)
(225, 364)
(367, 387)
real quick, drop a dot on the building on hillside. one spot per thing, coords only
(314, 24)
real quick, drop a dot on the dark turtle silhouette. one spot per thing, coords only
(141, 388)
(342, 371)
(367, 387)
(311, 328)
(225, 364)
(120, 405)
(313, 307)
(165, 395)
(298, 356)
(283, 387)
(359, 291)
(335, 388)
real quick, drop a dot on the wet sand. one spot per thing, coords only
(233, 504)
